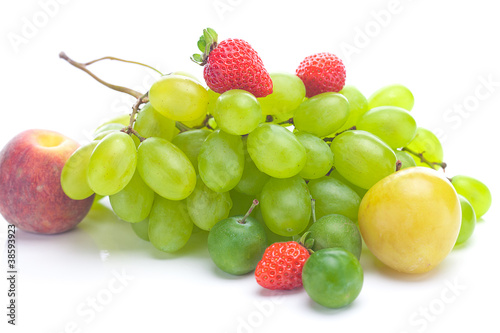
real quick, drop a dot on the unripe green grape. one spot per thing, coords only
(358, 105)
(141, 229)
(468, 220)
(134, 202)
(322, 114)
(237, 112)
(151, 123)
(334, 197)
(286, 205)
(406, 159)
(206, 207)
(475, 191)
(253, 180)
(221, 161)
(393, 125)
(427, 144)
(169, 225)
(360, 191)
(190, 143)
(112, 164)
(392, 95)
(165, 169)
(276, 151)
(123, 119)
(288, 92)
(319, 156)
(106, 129)
(362, 158)
(74, 173)
(179, 98)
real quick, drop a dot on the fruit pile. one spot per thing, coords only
(312, 158)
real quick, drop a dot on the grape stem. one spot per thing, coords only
(122, 60)
(83, 67)
(255, 202)
(337, 134)
(443, 165)
(289, 121)
(183, 128)
(398, 165)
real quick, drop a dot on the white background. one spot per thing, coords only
(443, 51)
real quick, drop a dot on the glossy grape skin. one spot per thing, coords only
(237, 112)
(141, 229)
(427, 143)
(151, 123)
(332, 277)
(236, 247)
(253, 180)
(362, 158)
(134, 202)
(74, 173)
(112, 164)
(335, 230)
(322, 114)
(392, 95)
(165, 169)
(286, 205)
(179, 98)
(475, 191)
(221, 161)
(319, 156)
(288, 92)
(406, 159)
(334, 197)
(169, 225)
(206, 207)
(190, 143)
(360, 191)
(358, 105)
(276, 151)
(393, 125)
(468, 221)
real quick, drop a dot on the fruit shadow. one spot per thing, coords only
(328, 311)
(111, 234)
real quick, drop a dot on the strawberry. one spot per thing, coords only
(322, 72)
(232, 64)
(281, 266)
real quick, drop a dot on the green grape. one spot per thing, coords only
(151, 123)
(288, 92)
(141, 229)
(134, 202)
(123, 119)
(190, 143)
(392, 95)
(206, 207)
(165, 169)
(319, 156)
(322, 114)
(74, 173)
(187, 74)
(179, 98)
(360, 191)
(197, 123)
(468, 220)
(362, 158)
(427, 144)
(169, 225)
(106, 129)
(334, 197)
(358, 105)
(393, 125)
(276, 151)
(286, 205)
(112, 164)
(253, 180)
(476, 192)
(237, 112)
(406, 159)
(212, 100)
(221, 160)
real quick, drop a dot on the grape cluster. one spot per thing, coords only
(188, 157)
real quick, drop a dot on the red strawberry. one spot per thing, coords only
(322, 72)
(281, 266)
(232, 64)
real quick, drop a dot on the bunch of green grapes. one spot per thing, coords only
(190, 157)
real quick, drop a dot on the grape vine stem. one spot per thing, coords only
(424, 160)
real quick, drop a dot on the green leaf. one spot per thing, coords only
(197, 57)
(213, 34)
(202, 44)
(210, 36)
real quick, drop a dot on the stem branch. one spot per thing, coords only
(424, 160)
